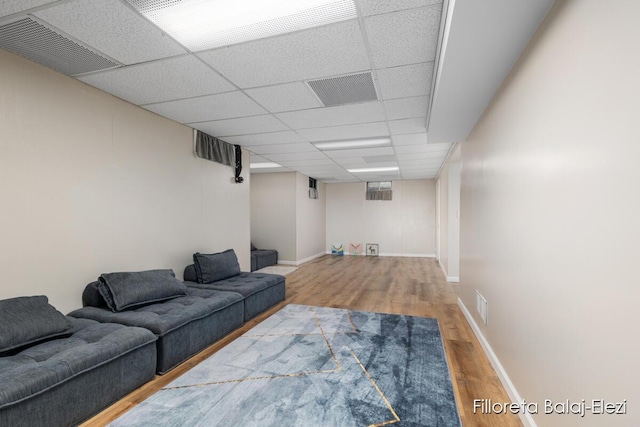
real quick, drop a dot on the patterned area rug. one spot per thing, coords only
(282, 270)
(314, 366)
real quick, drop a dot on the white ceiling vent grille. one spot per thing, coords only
(34, 41)
(345, 89)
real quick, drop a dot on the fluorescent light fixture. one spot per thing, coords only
(264, 165)
(207, 24)
(365, 170)
(354, 143)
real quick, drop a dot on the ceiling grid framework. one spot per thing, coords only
(255, 93)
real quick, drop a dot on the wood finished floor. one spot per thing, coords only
(413, 286)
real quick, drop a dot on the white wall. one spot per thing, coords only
(311, 220)
(404, 226)
(550, 213)
(273, 213)
(91, 184)
(449, 205)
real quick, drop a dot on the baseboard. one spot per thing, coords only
(388, 254)
(453, 279)
(526, 418)
(301, 261)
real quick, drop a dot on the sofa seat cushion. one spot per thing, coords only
(261, 258)
(43, 366)
(164, 317)
(245, 284)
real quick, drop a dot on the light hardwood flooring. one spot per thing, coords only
(412, 286)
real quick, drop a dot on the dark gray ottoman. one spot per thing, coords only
(184, 325)
(260, 291)
(64, 381)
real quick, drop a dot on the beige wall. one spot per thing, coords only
(273, 213)
(449, 205)
(311, 220)
(550, 213)
(91, 184)
(404, 226)
(284, 218)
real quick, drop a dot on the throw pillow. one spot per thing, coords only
(131, 289)
(29, 320)
(213, 267)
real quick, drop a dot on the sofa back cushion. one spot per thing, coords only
(28, 320)
(125, 290)
(213, 267)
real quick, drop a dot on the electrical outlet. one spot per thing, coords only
(481, 307)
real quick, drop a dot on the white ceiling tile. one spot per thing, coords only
(270, 170)
(356, 165)
(179, 77)
(240, 126)
(409, 139)
(258, 159)
(309, 155)
(285, 97)
(206, 108)
(112, 28)
(297, 147)
(376, 7)
(409, 149)
(419, 175)
(306, 163)
(405, 81)
(286, 137)
(406, 108)
(421, 162)
(360, 152)
(318, 52)
(356, 161)
(415, 125)
(364, 130)
(438, 155)
(11, 7)
(406, 37)
(334, 116)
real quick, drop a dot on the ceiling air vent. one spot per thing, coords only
(343, 90)
(33, 40)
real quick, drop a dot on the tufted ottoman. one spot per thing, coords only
(63, 381)
(184, 325)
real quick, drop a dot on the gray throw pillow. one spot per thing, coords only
(213, 267)
(29, 320)
(131, 289)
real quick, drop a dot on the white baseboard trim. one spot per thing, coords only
(526, 418)
(453, 279)
(301, 261)
(388, 254)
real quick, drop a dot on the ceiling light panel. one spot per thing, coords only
(240, 126)
(418, 29)
(264, 165)
(405, 81)
(208, 24)
(180, 77)
(205, 108)
(102, 23)
(318, 52)
(37, 42)
(350, 89)
(355, 143)
(373, 170)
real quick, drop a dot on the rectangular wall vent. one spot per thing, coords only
(350, 89)
(481, 307)
(39, 43)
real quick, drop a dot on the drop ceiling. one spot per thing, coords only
(258, 93)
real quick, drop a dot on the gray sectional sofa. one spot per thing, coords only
(58, 371)
(261, 258)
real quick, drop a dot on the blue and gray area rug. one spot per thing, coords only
(314, 366)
